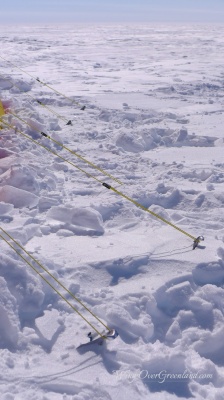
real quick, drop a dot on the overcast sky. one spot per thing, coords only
(37, 11)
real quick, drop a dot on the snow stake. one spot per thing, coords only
(197, 241)
(96, 339)
(40, 273)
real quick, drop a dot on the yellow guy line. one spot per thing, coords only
(147, 210)
(52, 276)
(116, 191)
(111, 188)
(67, 148)
(52, 152)
(38, 80)
(38, 101)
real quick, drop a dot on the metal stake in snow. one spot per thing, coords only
(196, 240)
(110, 332)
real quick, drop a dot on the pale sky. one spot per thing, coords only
(60, 11)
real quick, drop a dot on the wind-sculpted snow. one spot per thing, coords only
(21, 300)
(154, 120)
(87, 220)
(20, 177)
(18, 197)
(154, 137)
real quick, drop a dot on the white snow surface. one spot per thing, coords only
(154, 119)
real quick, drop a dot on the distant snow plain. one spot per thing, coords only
(153, 119)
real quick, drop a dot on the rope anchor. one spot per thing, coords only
(197, 241)
(30, 261)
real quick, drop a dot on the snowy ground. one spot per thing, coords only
(154, 120)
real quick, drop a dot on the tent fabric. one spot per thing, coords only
(2, 111)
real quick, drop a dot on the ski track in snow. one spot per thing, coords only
(154, 120)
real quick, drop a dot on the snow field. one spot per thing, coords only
(153, 120)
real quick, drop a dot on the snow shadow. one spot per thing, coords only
(126, 268)
(108, 357)
(88, 363)
(47, 344)
(165, 373)
(178, 300)
(209, 273)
